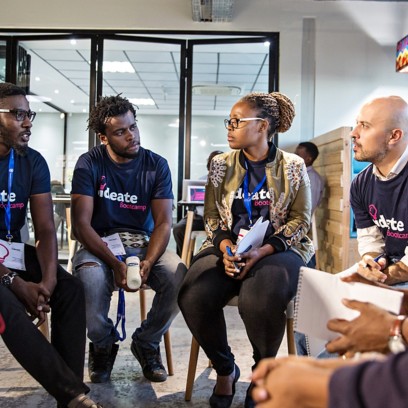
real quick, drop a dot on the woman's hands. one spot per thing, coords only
(237, 266)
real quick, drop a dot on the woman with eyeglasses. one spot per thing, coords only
(255, 179)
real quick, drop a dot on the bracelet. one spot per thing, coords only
(396, 327)
(396, 341)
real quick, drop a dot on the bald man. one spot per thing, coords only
(378, 194)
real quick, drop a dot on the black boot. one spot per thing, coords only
(100, 362)
(150, 361)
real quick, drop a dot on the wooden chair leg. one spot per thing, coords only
(142, 299)
(45, 329)
(192, 368)
(290, 336)
(169, 356)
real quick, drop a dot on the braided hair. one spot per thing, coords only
(274, 107)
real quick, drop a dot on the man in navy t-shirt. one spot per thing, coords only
(37, 284)
(378, 196)
(121, 188)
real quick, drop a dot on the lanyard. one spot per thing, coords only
(121, 314)
(248, 195)
(7, 214)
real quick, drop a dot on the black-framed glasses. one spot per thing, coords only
(234, 122)
(20, 114)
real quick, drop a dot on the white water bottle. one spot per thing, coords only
(134, 280)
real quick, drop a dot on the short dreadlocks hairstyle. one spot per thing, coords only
(108, 107)
(274, 107)
(8, 89)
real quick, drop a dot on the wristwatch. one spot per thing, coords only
(396, 342)
(7, 279)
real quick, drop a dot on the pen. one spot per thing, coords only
(376, 259)
(230, 253)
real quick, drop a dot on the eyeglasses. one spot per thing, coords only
(20, 114)
(234, 122)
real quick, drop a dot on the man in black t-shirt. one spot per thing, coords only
(120, 187)
(36, 284)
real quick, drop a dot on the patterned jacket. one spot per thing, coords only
(290, 200)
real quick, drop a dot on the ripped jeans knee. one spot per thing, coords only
(97, 279)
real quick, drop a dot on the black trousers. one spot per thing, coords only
(58, 366)
(263, 296)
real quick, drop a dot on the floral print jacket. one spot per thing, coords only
(290, 200)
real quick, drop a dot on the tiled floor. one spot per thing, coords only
(127, 387)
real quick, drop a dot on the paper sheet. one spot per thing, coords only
(254, 237)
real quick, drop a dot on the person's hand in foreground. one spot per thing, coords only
(292, 382)
(367, 332)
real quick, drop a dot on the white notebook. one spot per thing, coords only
(319, 298)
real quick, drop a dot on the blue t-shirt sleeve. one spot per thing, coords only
(163, 187)
(82, 180)
(41, 180)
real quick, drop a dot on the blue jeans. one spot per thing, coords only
(165, 279)
(302, 349)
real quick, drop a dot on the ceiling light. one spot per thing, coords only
(216, 90)
(118, 66)
(142, 101)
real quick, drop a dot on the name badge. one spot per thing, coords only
(12, 255)
(241, 234)
(114, 243)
